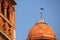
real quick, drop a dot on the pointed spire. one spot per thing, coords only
(41, 12)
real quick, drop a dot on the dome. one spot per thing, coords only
(41, 31)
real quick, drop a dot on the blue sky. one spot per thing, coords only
(28, 14)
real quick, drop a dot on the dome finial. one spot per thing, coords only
(41, 11)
